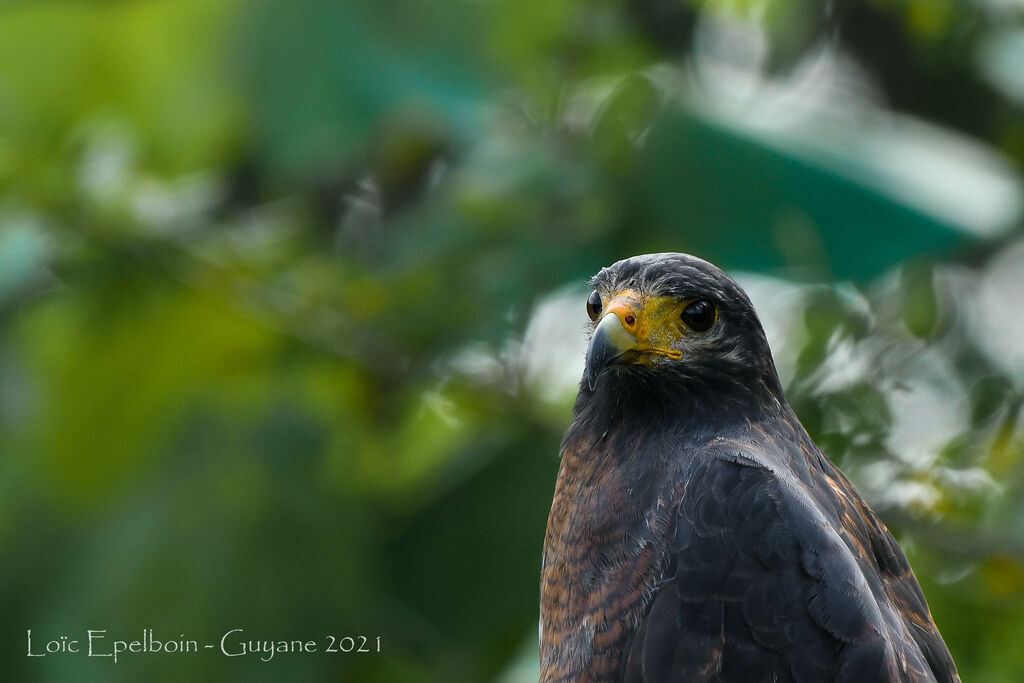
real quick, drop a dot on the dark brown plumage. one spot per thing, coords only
(696, 532)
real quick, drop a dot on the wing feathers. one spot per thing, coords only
(760, 585)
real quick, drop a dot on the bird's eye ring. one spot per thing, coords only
(700, 315)
(594, 305)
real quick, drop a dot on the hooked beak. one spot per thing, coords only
(611, 343)
(632, 330)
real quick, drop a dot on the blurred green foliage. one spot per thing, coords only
(268, 272)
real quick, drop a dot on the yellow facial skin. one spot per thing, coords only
(653, 323)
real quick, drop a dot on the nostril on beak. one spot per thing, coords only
(630, 321)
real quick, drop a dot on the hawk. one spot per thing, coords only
(697, 533)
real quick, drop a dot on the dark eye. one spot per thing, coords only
(594, 305)
(700, 315)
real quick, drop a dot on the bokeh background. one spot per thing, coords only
(292, 300)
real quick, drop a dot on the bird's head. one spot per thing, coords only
(674, 320)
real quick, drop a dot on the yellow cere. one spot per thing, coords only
(654, 321)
